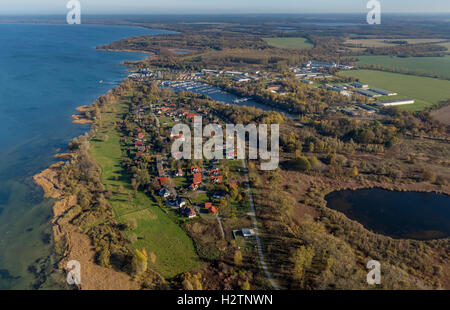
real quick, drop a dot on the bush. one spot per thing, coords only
(131, 224)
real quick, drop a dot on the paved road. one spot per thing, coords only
(255, 227)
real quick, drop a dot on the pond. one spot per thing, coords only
(404, 215)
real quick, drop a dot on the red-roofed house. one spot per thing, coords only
(162, 180)
(190, 116)
(210, 208)
(196, 169)
(197, 178)
(216, 179)
(233, 185)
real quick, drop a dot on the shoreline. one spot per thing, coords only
(123, 50)
(70, 242)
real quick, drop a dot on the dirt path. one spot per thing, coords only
(255, 227)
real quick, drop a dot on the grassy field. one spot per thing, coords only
(426, 91)
(377, 42)
(438, 65)
(155, 230)
(297, 43)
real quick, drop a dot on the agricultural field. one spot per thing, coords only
(437, 65)
(446, 45)
(295, 43)
(380, 42)
(426, 91)
(155, 231)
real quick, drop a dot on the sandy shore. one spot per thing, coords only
(74, 243)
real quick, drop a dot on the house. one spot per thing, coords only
(219, 195)
(140, 154)
(246, 232)
(215, 172)
(233, 185)
(210, 208)
(188, 212)
(164, 193)
(273, 88)
(179, 173)
(190, 116)
(180, 202)
(197, 178)
(162, 180)
(195, 169)
(216, 179)
(140, 135)
(193, 187)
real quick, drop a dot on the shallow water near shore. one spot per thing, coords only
(405, 215)
(47, 71)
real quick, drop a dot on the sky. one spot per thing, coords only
(220, 6)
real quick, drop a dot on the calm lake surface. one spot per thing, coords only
(413, 215)
(46, 72)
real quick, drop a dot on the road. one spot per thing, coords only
(255, 227)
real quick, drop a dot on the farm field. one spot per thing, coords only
(155, 231)
(438, 65)
(380, 42)
(296, 43)
(426, 91)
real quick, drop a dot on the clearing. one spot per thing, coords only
(296, 43)
(426, 91)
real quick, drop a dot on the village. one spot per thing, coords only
(191, 189)
(366, 101)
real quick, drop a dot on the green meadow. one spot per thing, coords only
(437, 65)
(155, 231)
(296, 43)
(426, 91)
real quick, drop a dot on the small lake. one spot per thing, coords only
(217, 94)
(403, 215)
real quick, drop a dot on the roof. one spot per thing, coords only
(208, 205)
(197, 178)
(196, 168)
(247, 232)
(233, 185)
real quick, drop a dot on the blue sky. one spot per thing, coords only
(220, 6)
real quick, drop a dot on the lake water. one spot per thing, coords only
(46, 72)
(413, 215)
